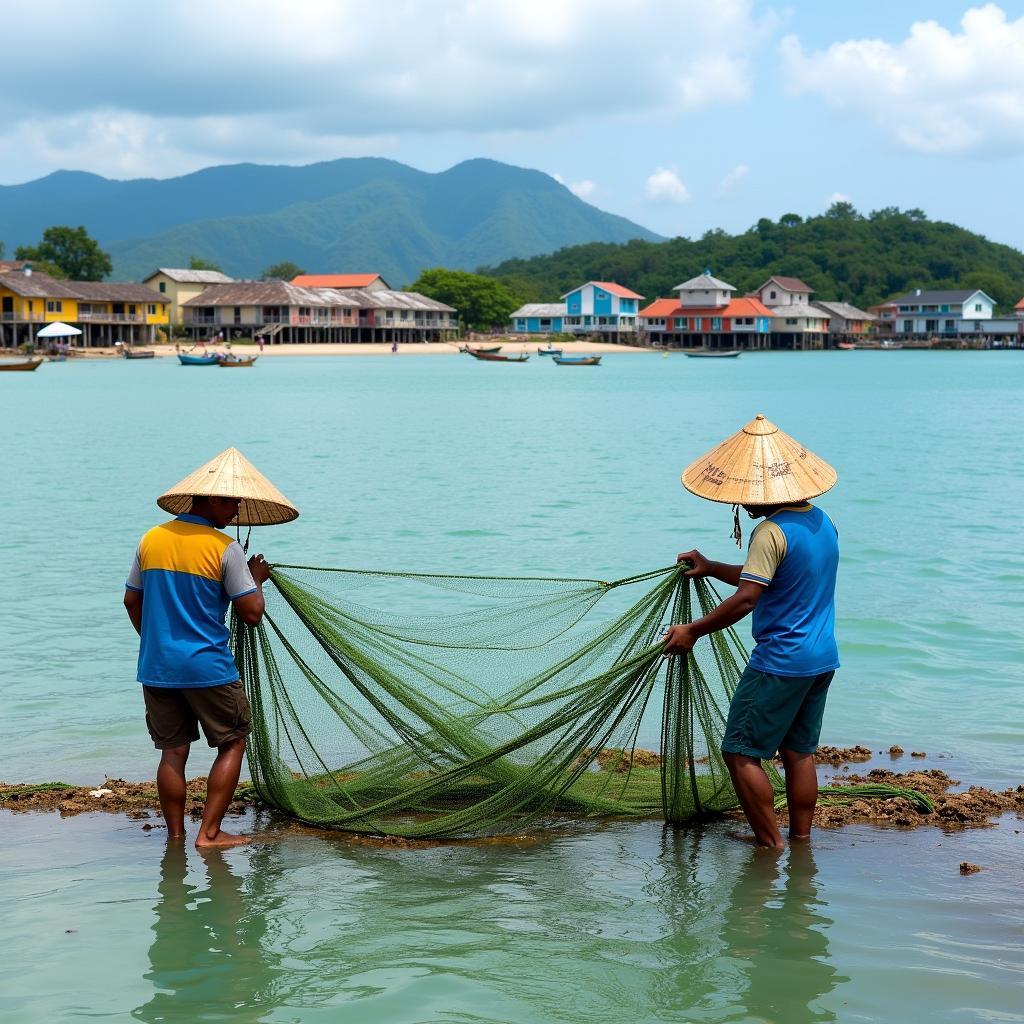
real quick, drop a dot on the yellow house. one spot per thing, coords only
(105, 311)
(178, 286)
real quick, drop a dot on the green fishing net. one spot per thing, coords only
(431, 706)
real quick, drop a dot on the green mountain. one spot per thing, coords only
(343, 215)
(842, 255)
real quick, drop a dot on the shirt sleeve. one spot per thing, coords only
(235, 573)
(134, 581)
(767, 550)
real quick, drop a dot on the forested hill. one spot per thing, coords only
(842, 254)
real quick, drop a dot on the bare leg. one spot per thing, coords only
(757, 798)
(220, 788)
(170, 785)
(801, 791)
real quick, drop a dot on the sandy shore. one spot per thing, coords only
(511, 347)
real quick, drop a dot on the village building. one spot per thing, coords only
(799, 326)
(367, 282)
(707, 316)
(281, 312)
(845, 322)
(539, 318)
(885, 314)
(179, 285)
(952, 312)
(601, 308)
(106, 312)
(784, 291)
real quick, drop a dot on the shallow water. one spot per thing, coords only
(454, 465)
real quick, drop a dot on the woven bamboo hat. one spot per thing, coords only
(759, 465)
(232, 475)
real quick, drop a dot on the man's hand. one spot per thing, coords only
(680, 639)
(260, 569)
(700, 566)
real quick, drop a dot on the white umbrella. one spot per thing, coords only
(58, 330)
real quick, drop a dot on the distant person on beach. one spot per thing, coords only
(788, 582)
(184, 576)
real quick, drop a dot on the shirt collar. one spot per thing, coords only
(187, 517)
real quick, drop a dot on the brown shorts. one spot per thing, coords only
(173, 716)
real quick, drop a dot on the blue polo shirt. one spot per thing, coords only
(188, 573)
(794, 555)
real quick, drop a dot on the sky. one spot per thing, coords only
(683, 115)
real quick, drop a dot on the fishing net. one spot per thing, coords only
(430, 706)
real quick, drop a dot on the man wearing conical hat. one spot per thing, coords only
(185, 574)
(788, 582)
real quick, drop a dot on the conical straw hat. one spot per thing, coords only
(232, 475)
(759, 465)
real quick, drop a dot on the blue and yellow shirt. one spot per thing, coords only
(188, 572)
(794, 555)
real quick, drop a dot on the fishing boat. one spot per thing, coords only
(846, 346)
(23, 365)
(488, 350)
(237, 360)
(549, 351)
(494, 357)
(138, 353)
(209, 359)
(710, 354)
(578, 360)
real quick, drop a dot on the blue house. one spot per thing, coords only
(601, 307)
(539, 318)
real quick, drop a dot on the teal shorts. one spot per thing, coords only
(770, 713)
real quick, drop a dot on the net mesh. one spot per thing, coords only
(432, 706)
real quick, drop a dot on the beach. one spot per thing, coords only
(450, 466)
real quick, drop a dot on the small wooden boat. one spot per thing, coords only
(549, 351)
(711, 354)
(493, 357)
(138, 353)
(487, 350)
(210, 359)
(22, 366)
(237, 360)
(846, 346)
(578, 360)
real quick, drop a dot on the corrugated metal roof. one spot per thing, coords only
(842, 309)
(41, 286)
(184, 276)
(704, 282)
(789, 284)
(539, 309)
(743, 306)
(385, 298)
(268, 293)
(609, 286)
(931, 298)
(337, 280)
(659, 308)
(799, 309)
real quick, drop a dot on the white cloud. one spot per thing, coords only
(558, 178)
(936, 91)
(243, 79)
(584, 189)
(837, 197)
(728, 184)
(664, 186)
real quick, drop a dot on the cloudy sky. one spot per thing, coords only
(681, 114)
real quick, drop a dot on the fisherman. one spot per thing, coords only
(788, 582)
(184, 575)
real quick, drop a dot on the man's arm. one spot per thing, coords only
(680, 639)
(702, 566)
(250, 607)
(133, 606)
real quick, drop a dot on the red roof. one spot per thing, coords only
(660, 307)
(335, 280)
(1020, 305)
(616, 289)
(744, 306)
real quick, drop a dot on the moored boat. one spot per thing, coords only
(237, 360)
(578, 360)
(22, 366)
(138, 353)
(487, 350)
(549, 351)
(493, 357)
(846, 346)
(210, 359)
(711, 354)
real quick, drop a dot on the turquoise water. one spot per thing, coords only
(453, 465)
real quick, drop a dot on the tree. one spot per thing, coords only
(842, 210)
(481, 301)
(198, 263)
(790, 220)
(283, 271)
(71, 250)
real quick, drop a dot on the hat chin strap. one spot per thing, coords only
(737, 529)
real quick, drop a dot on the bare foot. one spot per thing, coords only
(747, 837)
(221, 840)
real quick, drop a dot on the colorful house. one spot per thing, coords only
(104, 311)
(799, 326)
(926, 314)
(707, 316)
(845, 321)
(602, 308)
(784, 291)
(179, 285)
(539, 318)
